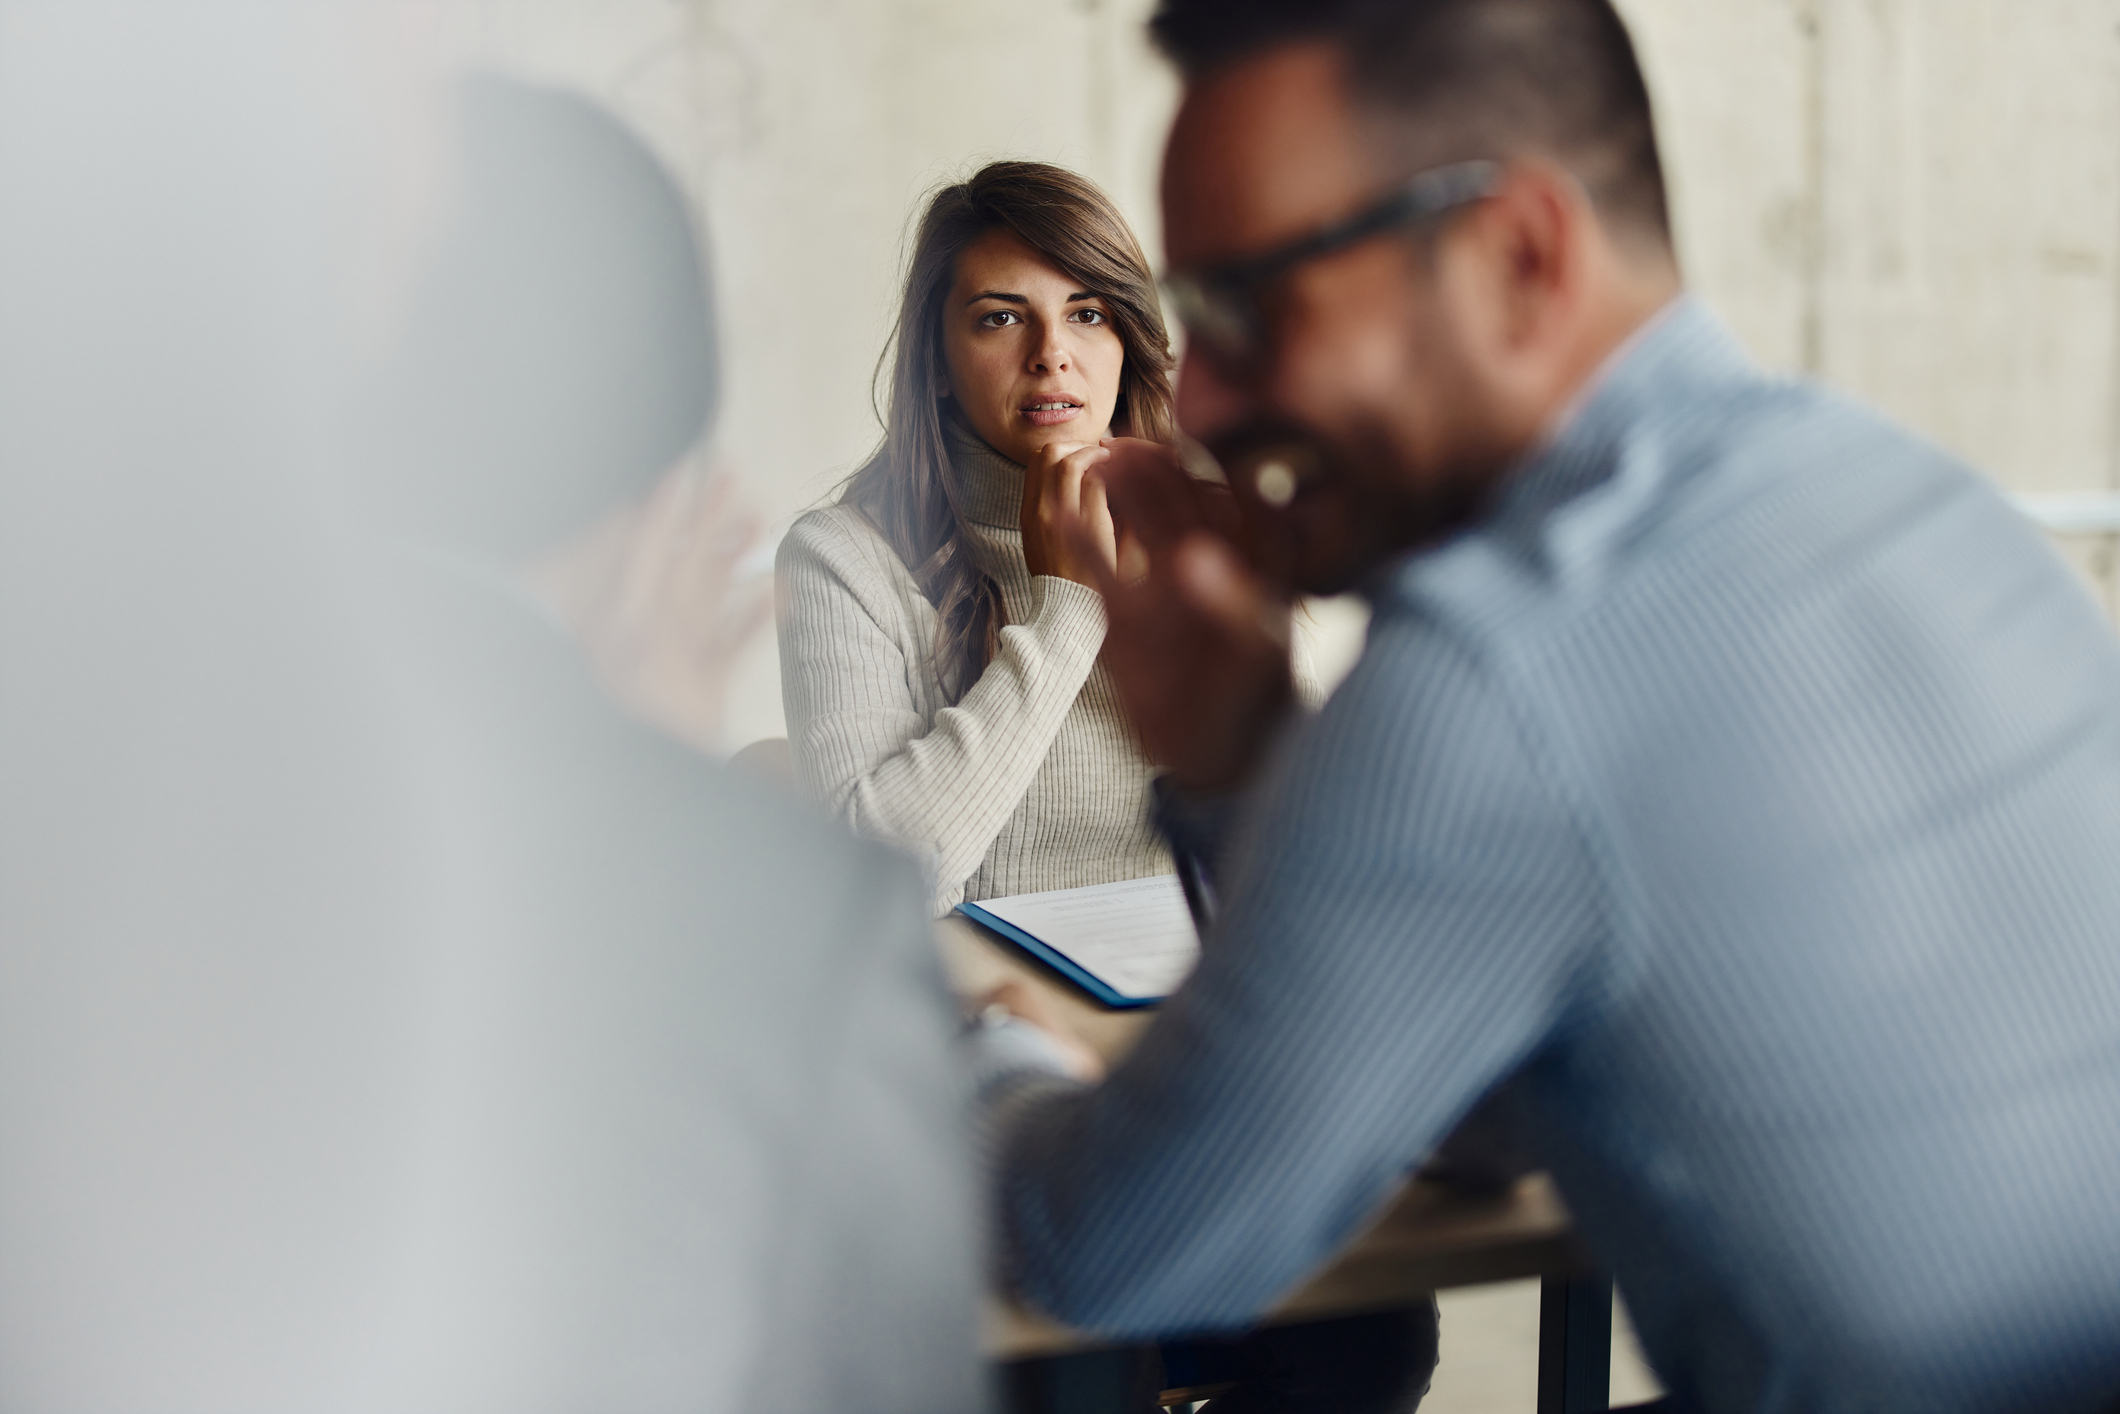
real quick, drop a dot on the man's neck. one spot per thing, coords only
(1628, 291)
(1614, 353)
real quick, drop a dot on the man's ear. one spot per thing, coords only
(1515, 267)
(1536, 220)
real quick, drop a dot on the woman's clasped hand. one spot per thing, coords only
(1062, 488)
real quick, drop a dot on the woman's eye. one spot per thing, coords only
(997, 318)
(1088, 316)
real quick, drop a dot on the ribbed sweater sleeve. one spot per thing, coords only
(853, 654)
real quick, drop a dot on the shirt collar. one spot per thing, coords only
(1624, 350)
(1682, 353)
(1682, 349)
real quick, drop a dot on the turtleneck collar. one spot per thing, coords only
(989, 485)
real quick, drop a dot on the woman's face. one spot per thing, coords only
(1033, 357)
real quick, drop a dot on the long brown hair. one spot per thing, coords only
(905, 489)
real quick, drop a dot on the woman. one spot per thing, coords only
(938, 635)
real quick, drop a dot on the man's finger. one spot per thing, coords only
(1132, 558)
(1154, 495)
(1217, 582)
(1021, 1002)
(1095, 501)
(1097, 515)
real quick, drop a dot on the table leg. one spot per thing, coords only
(1574, 1344)
(1119, 1380)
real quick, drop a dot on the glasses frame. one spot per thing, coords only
(1220, 306)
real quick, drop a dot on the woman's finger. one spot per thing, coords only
(1084, 464)
(1066, 486)
(1049, 459)
(1087, 549)
(1084, 458)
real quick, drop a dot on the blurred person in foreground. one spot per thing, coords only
(1728, 771)
(696, 1139)
(385, 1022)
(211, 937)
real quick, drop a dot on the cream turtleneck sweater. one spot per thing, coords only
(1032, 780)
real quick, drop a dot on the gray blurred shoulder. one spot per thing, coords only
(585, 805)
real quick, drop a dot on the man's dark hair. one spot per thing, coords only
(1453, 79)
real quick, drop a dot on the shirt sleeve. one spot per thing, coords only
(941, 789)
(1412, 911)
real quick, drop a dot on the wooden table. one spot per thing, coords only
(1427, 1238)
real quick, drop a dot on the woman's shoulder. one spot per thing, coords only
(843, 539)
(839, 550)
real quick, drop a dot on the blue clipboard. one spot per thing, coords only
(1058, 961)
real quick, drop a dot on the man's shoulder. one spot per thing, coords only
(1739, 486)
(1766, 512)
(1690, 434)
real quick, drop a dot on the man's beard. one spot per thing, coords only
(1323, 513)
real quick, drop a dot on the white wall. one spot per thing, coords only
(1918, 200)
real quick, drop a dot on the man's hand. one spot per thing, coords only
(1198, 646)
(1026, 1005)
(652, 596)
(1059, 490)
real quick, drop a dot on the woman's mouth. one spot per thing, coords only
(1050, 412)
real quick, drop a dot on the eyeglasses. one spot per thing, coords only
(1220, 307)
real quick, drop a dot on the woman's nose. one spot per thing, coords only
(1050, 355)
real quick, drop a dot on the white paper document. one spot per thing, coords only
(1136, 937)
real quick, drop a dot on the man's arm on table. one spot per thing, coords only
(1199, 827)
(1410, 914)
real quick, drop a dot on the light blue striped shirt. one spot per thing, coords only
(1747, 783)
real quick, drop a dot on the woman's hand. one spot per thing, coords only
(654, 598)
(1060, 488)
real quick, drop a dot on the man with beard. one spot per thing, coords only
(1727, 771)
